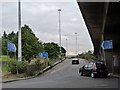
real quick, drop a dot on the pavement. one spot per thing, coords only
(114, 75)
(42, 71)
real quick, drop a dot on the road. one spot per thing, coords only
(64, 75)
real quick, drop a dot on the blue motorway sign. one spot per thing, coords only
(11, 47)
(108, 44)
(43, 54)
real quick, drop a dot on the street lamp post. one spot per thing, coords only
(19, 33)
(59, 10)
(66, 47)
(76, 42)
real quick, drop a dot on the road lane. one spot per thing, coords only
(64, 75)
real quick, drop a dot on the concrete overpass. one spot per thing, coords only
(103, 23)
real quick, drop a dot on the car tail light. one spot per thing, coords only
(94, 66)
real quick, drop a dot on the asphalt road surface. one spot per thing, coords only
(64, 75)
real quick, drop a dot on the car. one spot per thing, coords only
(94, 69)
(75, 61)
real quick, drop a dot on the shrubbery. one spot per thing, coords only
(88, 56)
(15, 66)
(23, 67)
(34, 68)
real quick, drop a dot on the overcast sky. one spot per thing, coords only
(42, 18)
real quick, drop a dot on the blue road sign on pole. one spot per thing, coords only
(108, 44)
(40, 55)
(11, 47)
(43, 54)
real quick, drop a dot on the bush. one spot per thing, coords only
(37, 62)
(49, 62)
(34, 68)
(87, 56)
(31, 70)
(14, 66)
(22, 66)
(37, 65)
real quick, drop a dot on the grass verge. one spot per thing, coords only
(4, 58)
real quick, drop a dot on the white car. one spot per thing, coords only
(75, 61)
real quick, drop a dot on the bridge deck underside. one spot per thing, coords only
(94, 15)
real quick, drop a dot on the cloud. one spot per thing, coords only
(74, 19)
(45, 8)
(45, 37)
(37, 8)
(39, 0)
(42, 18)
(9, 17)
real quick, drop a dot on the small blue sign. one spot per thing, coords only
(40, 55)
(108, 44)
(11, 47)
(43, 55)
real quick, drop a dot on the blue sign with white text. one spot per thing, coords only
(11, 47)
(108, 44)
(43, 55)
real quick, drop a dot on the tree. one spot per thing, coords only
(52, 49)
(0, 47)
(30, 44)
(4, 43)
(6, 38)
(87, 55)
(4, 46)
(11, 35)
(5, 35)
(63, 51)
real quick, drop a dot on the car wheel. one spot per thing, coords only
(93, 75)
(81, 74)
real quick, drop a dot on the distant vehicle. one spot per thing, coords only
(75, 61)
(94, 69)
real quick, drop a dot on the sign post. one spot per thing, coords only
(107, 44)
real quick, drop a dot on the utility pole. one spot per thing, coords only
(19, 32)
(59, 10)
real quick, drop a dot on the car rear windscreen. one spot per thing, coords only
(100, 66)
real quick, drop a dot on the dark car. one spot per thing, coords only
(94, 69)
(75, 61)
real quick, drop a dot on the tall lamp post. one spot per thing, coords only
(76, 42)
(59, 10)
(19, 32)
(66, 47)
